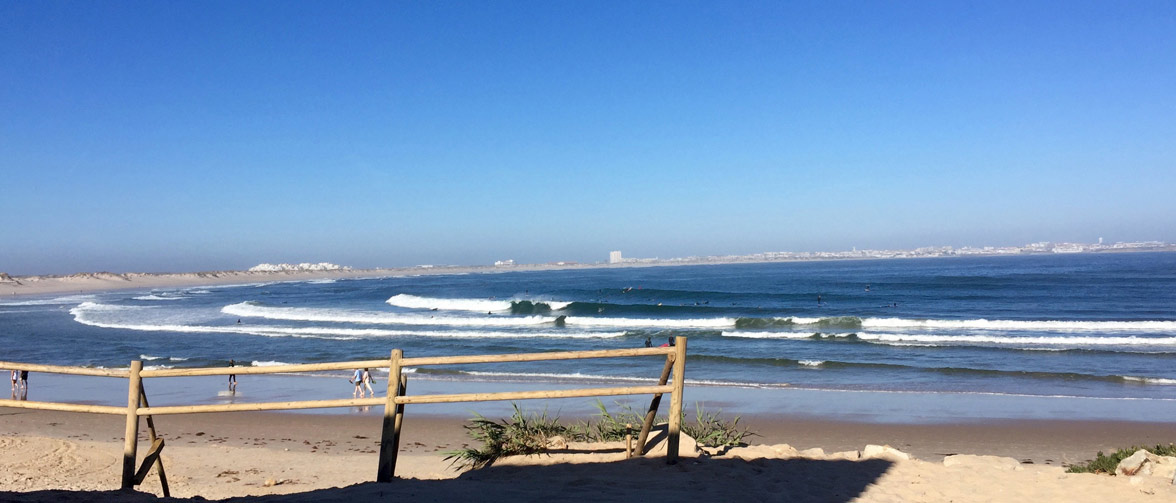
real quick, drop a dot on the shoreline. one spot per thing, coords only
(95, 282)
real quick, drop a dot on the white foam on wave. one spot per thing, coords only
(650, 322)
(811, 363)
(91, 314)
(168, 358)
(68, 299)
(899, 339)
(156, 297)
(246, 309)
(269, 363)
(1151, 380)
(474, 305)
(747, 334)
(1050, 325)
(1019, 340)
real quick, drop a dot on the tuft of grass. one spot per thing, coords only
(520, 434)
(709, 430)
(1107, 464)
(528, 433)
(608, 427)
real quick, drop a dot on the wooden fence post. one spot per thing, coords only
(390, 432)
(675, 426)
(131, 442)
(653, 406)
(152, 438)
(398, 420)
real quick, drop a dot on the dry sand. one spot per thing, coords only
(12, 286)
(53, 456)
(89, 282)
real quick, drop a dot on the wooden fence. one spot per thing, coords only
(393, 402)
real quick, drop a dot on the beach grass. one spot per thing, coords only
(1103, 463)
(529, 432)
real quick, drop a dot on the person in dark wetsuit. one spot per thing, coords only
(232, 377)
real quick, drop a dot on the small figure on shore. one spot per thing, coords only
(13, 380)
(648, 342)
(368, 381)
(357, 380)
(24, 379)
(233, 377)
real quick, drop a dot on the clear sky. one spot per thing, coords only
(178, 136)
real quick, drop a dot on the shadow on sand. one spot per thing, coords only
(794, 480)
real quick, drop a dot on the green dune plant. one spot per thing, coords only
(1107, 464)
(529, 432)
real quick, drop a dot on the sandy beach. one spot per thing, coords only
(14, 286)
(811, 445)
(54, 456)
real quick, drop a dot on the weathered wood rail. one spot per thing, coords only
(394, 402)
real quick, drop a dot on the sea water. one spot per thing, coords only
(1092, 327)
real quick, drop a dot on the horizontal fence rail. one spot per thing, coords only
(59, 369)
(407, 362)
(66, 407)
(393, 402)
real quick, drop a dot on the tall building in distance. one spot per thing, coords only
(614, 257)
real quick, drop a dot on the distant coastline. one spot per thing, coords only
(102, 281)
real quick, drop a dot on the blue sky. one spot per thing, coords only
(177, 136)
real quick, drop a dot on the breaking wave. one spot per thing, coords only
(930, 339)
(86, 314)
(68, 299)
(1052, 325)
(156, 297)
(474, 305)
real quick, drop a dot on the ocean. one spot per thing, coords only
(1079, 326)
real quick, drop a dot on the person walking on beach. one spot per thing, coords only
(357, 380)
(233, 377)
(13, 380)
(24, 379)
(368, 381)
